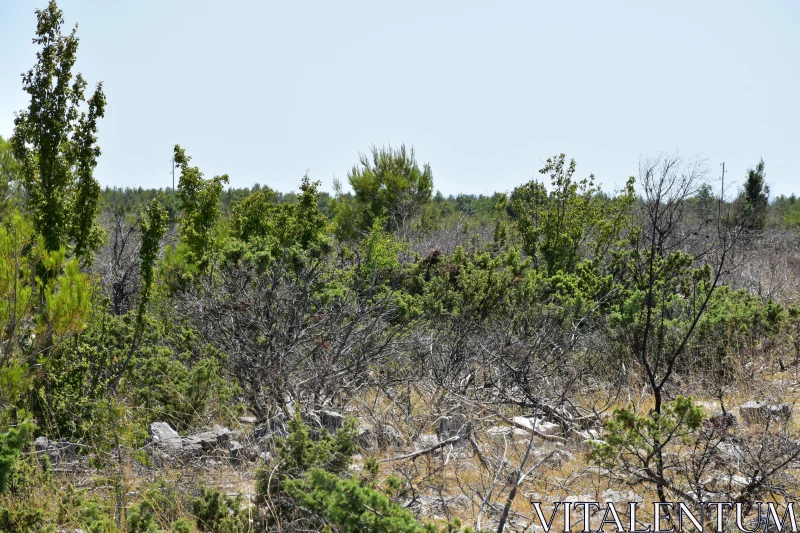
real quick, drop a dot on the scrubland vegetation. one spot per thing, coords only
(386, 359)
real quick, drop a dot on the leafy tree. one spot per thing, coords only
(789, 211)
(200, 209)
(56, 143)
(571, 222)
(153, 226)
(390, 185)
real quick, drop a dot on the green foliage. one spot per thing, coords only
(56, 143)
(180, 379)
(472, 286)
(633, 442)
(11, 443)
(570, 223)
(754, 198)
(21, 509)
(153, 226)
(200, 210)
(10, 175)
(313, 474)
(299, 453)
(181, 525)
(141, 519)
(217, 513)
(265, 230)
(788, 211)
(23, 520)
(173, 376)
(37, 311)
(380, 252)
(664, 289)
(391, 186)
(348, 507)
(734, 324)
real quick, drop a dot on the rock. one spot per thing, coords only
(248, 419)
(524, 422)
(741, 481)
(425, 441)
(41, 444)
(378, 436)
(236, 450)
(206, 441)
(57, 452)
(162, 434)
(499, 431)
(753, 412)
(504, 432)
(554, 459)
(265, 456)
(330, 420)
(584, 440)
(617, 497)
(585, 436)
(548, 428)
(191, 448)
(452, 426)
(275, 426)
(542, 426)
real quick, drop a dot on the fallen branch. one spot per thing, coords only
(414, 455)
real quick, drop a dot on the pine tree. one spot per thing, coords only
(390, 185)
(755, 198)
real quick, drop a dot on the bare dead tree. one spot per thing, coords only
(118, 263)
(676, 287)
(295, 337)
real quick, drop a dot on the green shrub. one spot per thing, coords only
(11, 443)
(217, 513)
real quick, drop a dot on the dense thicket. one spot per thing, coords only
(119, 308)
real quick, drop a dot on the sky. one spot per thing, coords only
(484, 91)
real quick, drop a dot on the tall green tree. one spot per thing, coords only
(571, 222)
(200, 208)
(55, 141)
(755, 198)
(389, 184)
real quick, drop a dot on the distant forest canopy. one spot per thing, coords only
(782, 211)
(778, 212)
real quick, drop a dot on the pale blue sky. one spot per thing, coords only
(484, 91)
